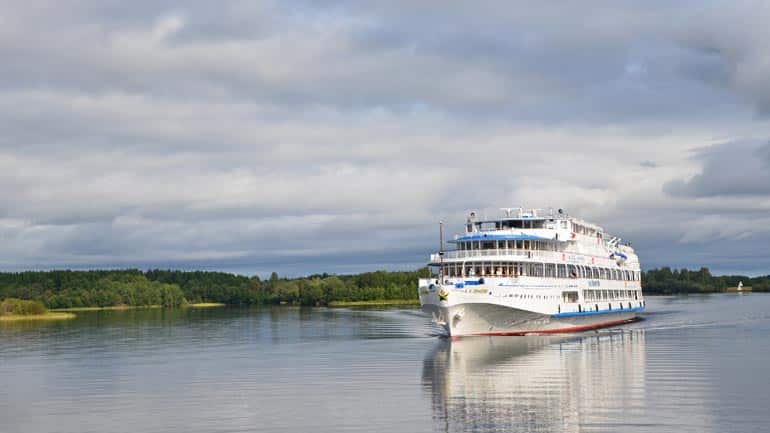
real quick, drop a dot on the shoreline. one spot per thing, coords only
(205, 305)
(374, 303)
(110, 308)
(333, 304)
(58, 315)
(138, 307)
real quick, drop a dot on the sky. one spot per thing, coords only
(332, 136)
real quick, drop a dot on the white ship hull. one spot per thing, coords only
(489, 319)
(528, 305)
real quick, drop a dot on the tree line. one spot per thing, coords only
(170, 288)
(667, 281)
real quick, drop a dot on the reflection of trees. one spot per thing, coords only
(532, 383)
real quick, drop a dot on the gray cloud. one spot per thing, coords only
(729, 170)
(332, 135)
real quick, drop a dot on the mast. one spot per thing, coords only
(441, 251)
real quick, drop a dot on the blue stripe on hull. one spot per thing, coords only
(594, 313)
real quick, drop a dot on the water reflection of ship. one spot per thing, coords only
(535, 384)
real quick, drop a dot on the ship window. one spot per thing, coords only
(550, 270)
(569, 297)
(562, 271)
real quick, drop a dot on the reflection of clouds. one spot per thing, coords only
(539, 384)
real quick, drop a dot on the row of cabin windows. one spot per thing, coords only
(610, 295)
(583, 230)
(545, 270)
(507, 245)
(482, 226)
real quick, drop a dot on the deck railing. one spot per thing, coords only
(542, 256)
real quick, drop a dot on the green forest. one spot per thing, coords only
(105, 288)
(668, 281)
(169, 288)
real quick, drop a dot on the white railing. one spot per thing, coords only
(544, 256)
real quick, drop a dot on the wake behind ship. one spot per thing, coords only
(532, 271)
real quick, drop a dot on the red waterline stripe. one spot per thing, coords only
(560, 330)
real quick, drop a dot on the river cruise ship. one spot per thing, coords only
(532, 271)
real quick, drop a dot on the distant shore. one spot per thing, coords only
(138, 307)
(205, 305)
(382, 302)
(57, 315)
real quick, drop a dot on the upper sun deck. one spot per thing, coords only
(527, 224)
(536, 235)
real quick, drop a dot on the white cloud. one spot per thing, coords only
(330, 136)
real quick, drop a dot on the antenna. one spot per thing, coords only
(441, 251)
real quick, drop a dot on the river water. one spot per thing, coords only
(695, 364)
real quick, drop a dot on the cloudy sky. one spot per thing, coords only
(310, 136)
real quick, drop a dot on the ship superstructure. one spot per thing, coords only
(532, 271)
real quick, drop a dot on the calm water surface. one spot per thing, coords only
(696, 364)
